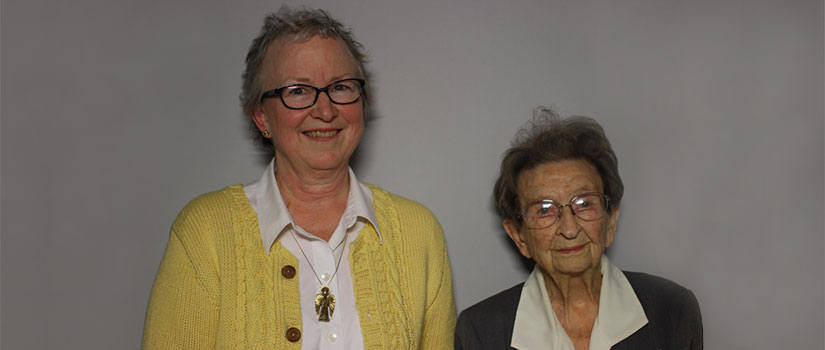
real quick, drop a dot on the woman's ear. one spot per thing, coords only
(261, 121)
(516, 236)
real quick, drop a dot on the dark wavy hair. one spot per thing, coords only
(297, 25)
(550, 138)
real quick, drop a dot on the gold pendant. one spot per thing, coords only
(324, 304)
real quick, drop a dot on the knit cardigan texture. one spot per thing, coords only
(218, 288)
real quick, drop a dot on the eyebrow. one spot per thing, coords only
(579, 190)
(307, 81)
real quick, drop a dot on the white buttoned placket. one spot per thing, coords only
(337, 332)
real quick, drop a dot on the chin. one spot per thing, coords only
(329, 162)
(572, 271)
(572, 265)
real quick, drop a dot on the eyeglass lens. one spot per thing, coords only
(545, 213)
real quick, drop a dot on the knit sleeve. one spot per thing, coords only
(183, 308)
(440, 317)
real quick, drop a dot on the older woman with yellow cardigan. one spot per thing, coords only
(306, 257)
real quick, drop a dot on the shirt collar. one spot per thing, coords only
(274, 218)
(620, 313)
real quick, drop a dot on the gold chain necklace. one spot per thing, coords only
(324, 300)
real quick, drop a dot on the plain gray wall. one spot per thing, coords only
(116, 113)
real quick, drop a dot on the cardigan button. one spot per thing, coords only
(293, 334)
(288, 271)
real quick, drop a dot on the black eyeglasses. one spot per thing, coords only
(544, 213)
(300, 96)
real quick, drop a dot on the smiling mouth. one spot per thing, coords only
(571, 250)
(322, 134)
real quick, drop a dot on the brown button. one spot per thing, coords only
(288, 271)
(293, 334)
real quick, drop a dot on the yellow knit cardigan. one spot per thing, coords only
(217, 288)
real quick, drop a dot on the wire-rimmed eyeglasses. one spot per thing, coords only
(300, 96)
(546, 212)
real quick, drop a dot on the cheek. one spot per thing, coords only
(598, 236)
(282, 119)
(355, 120)
(597, 233)
(540, 242)
(354, 113)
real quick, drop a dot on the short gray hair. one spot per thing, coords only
(550, 138)
(298, 25)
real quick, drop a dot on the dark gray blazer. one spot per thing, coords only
(674, 321)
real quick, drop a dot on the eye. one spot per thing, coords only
(296, 90)
(342, 87)
(588, 202)
(545, 209)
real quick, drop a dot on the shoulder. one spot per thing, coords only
(658, 290)
(216, 200)
(386, 200)
(501, 303)
(399, 214)
(211, 209)
(671, 309)
(489, 321)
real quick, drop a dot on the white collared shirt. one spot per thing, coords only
(620, 314)
(343, 331)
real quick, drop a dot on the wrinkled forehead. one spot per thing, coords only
(558, 180)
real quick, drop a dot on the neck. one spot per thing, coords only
(308, 187)
(315, 199)
(571, 292)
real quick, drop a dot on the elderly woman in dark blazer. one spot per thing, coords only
(559, 193)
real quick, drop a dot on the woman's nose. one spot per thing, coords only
(568, 227)
(324, 109)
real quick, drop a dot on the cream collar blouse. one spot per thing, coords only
(620, 314)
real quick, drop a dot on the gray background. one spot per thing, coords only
(116, 113)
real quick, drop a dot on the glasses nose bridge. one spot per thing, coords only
(318, 92)
(561, 213)
(325, 90)
(569, 205)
